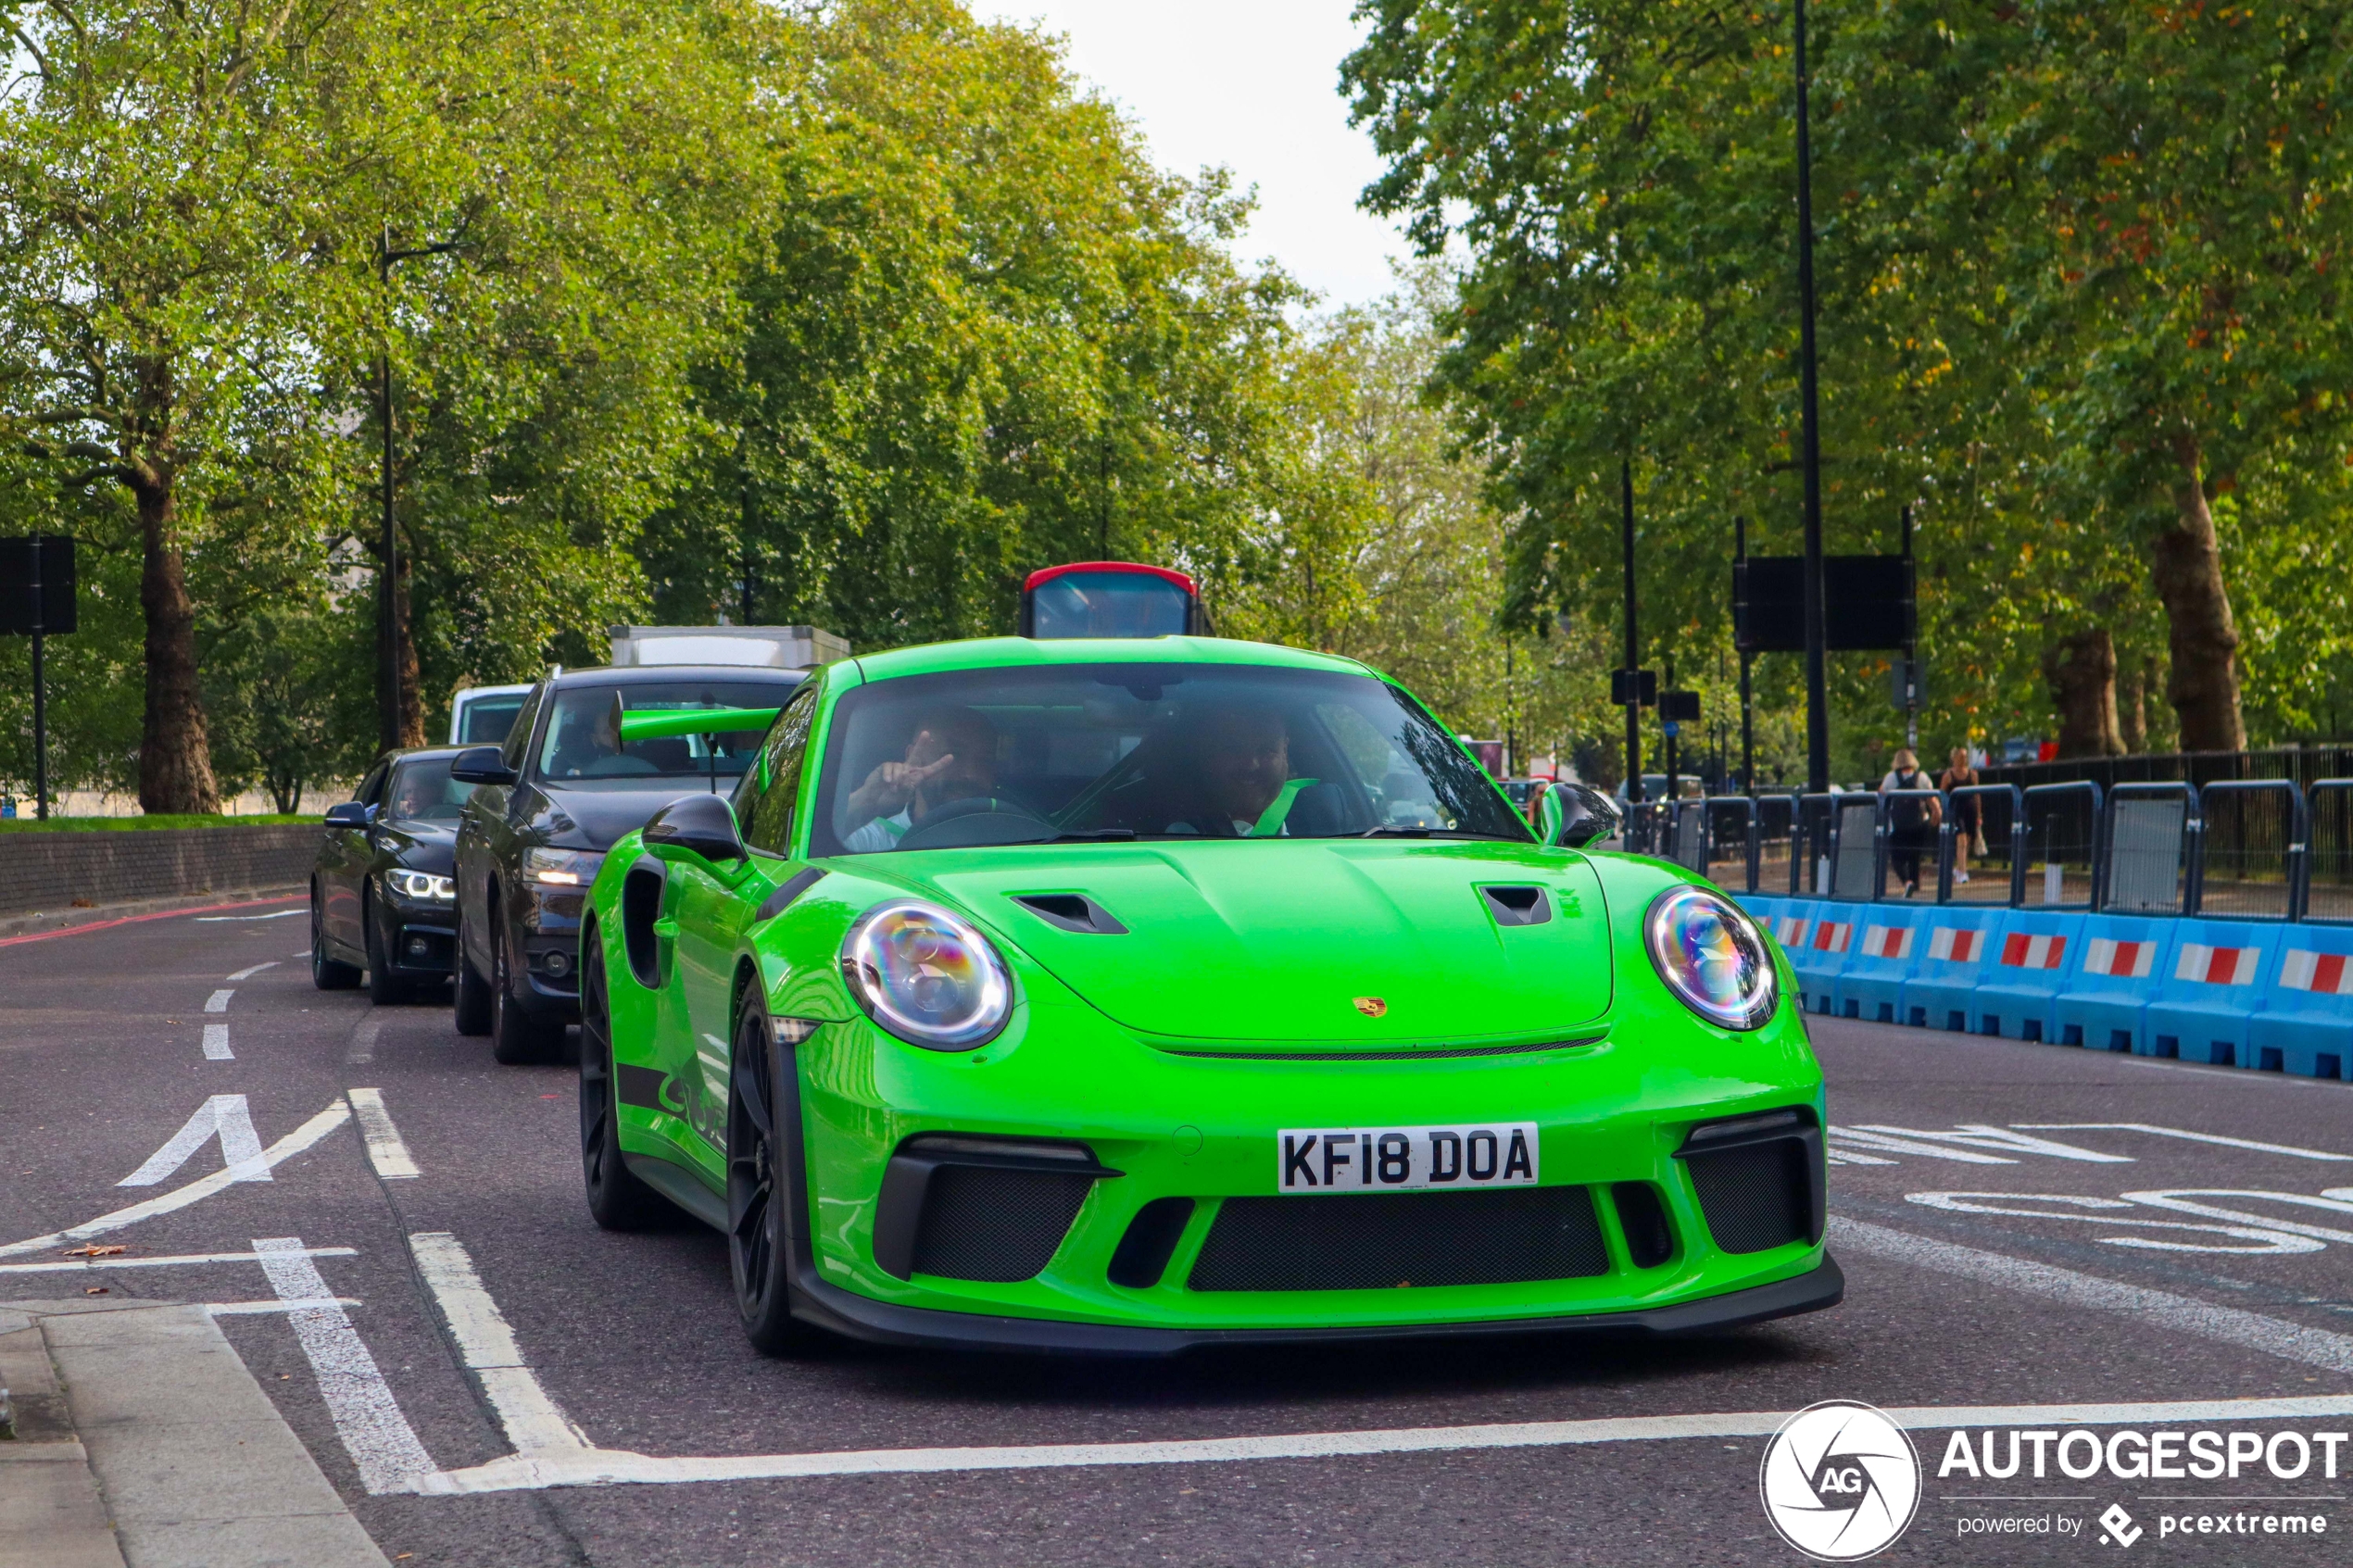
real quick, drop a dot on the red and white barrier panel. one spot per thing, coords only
(2022, 951)
(1887, 941)
(1956, 944)
(2217, 966)
(2330, 974)
(2120, 960)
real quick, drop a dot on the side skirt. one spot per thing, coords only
(680, 1188)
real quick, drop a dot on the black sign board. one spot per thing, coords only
(1679, 706)
(36, 585)
(1634, 687)
(1867, 603)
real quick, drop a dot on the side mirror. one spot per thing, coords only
(482, 765)
(1586, 815)
(350, 814)
(701, 825)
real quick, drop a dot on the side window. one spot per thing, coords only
(371, 789)
(776, 775)
(517, 741)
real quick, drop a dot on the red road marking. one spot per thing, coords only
(160, 914)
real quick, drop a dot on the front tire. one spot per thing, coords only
(471, 1000)
(327, 973)
(518, 1038)
(617, 1199)
(759, 1178)
(385, 988)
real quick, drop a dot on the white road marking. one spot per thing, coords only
(218, 1001)
(239, 1309)
(301, 953)
(2290, 1341)
(1913, 1145)
(1977, 1135)
(223, 1117)
(256, 969)
(2264, 1239)
(1848, 1156)
(383, 1446)
(173, 1260)
(386, 1150)
(362, 1048)
(285, 1149)
(215, 919)
(216, 1043)
(2183, 1132)
(534, 1423)
(605, 1467)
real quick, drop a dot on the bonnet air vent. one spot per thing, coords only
(1072, 911)
(1518, 905)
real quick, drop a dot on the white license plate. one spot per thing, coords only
(1405, 1158)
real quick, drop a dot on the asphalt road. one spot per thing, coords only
(1980, 1205)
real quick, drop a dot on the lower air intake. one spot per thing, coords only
(1756, 1195)
(995, 1226)
(1379, 1241)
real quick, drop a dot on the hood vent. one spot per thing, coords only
(1072, 911)
(1518, 905)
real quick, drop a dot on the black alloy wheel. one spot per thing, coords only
(758, 1189)
(517, 1037)
(327, 973)
(384, 988)
(471, 998)
(617, 1199)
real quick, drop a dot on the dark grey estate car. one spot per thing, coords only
(381, 897)
(550, 802)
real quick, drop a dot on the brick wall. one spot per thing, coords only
(49, 870)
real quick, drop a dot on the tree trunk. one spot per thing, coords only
(2132, 708)
(2082, 671)
(2204, 684)
(175, 752)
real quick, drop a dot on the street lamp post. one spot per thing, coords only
(1818, 717)
(388, 694)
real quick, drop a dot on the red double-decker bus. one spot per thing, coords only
(1111, 598)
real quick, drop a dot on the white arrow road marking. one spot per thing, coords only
(2182, 1133)
(285, 1149)
(1837, 1156)
(1850, 1136)
(535, 1425)
(605, 1467)
(379, 1438)
(216, 1043)
(175, 1260)
(256, 969)
(2290, 1341)
(385, 1151)
(218, 1001)
(223, 1117)
(1977, 1135)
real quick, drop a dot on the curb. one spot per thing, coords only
(148, 1445)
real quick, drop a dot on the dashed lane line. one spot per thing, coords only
(533, 1423)
(216, 1043)
(383, 1446)
(386, 1152)
(219, 1001)
(2276, 1336)
(285, 1149)
(177, 1259)
(256, 969)
(361, 1049)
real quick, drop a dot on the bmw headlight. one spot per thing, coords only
(561, 868)
(423, 886)
(926, 975)
(1711, 957)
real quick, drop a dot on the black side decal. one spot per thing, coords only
(798, 884)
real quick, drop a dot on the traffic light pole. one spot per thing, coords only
(1818, 717)
(1633, 647)
(40, 693)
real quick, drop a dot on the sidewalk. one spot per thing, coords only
(141, 1441)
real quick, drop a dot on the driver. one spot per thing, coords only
(1244, 759)
(952, 756)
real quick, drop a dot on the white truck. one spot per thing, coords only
(756, 647)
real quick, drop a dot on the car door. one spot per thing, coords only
(715, 905)
(343, 865)
(486, 836)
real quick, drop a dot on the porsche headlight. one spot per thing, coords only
(1711, 957)
(423, 886)
(926, 976)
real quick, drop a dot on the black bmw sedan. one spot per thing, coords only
(382, 899)
(552, 801)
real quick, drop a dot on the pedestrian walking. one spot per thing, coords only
(1913, 820)
(1967, 841)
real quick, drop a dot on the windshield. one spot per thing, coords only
(422, 790)
(582, 743)
(1145, 751)
(485, 720)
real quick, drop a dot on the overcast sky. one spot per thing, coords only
(1253, 85)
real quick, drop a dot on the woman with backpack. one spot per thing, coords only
(1913, 820)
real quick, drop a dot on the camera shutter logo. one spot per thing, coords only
(1840, 1481)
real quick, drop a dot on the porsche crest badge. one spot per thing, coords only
(1371, 1007)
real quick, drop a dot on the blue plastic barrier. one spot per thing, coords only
(1886, 949)
(1951, 953)
(1817, 934)
(2306, 1026)
(2024, 970)
(2211, 984)
(2105, 998)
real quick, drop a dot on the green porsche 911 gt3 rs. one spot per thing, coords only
(1128, 996)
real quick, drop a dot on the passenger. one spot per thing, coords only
(952, 756)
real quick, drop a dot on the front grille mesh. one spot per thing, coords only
(998, 1227)
(1755, 1197)
(1383, 1240)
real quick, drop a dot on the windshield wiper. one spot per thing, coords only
(1395, 829)
(1098, 835)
